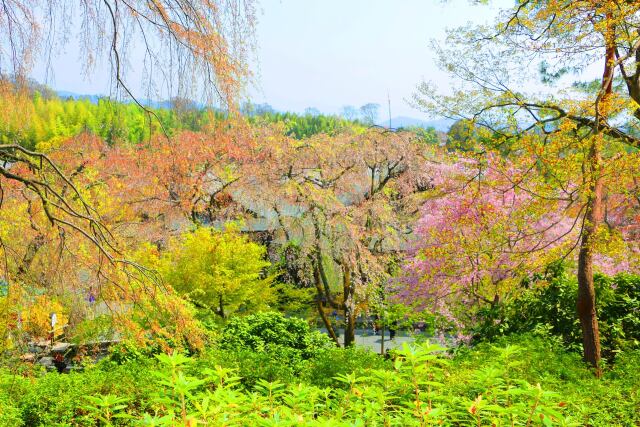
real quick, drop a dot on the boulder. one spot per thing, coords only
(61, 347)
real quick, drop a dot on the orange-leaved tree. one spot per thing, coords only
(193, 45)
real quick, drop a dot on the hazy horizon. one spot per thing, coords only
(316, 54)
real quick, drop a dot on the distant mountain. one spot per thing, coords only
(72, 95)
(63, 94)
(441, 125)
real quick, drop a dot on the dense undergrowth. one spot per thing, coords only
(550, 305)
(521, 380)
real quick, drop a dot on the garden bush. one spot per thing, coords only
(518, 380)
(272, 331)
(550, 304)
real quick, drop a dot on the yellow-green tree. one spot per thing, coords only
(222, 271)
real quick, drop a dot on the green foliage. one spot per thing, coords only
(425, 136)
(106, 408)
(221, 271)
(550, 304)
(271, 331)
(52, 119)
(461, 136)
(10, 414)
(285, 365)
(304, 126)
(294, 300)
(323, 369)
(79, 398)
(128, 352)
(93, 329)
(522, 380)
(589, 401)
(253, 366)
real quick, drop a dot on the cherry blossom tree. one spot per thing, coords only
(493, 223)
(342, 206)
(582, 133)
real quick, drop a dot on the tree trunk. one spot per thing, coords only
(327, 322)
(30, 254)
(221, 307)
(320, 297)
(349, 327)
(594, 215)
(349, 308)
(586, 301)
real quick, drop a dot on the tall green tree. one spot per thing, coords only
(583, 141)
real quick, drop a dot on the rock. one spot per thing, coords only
(38, 346)
(61, 347)
(47, 362)
(28, 357)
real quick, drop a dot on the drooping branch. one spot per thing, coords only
(39, 175)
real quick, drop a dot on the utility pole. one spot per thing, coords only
(389, 106)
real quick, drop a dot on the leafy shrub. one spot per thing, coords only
(271, 331)
(52, 399)
(551, 305)
(268, 346)
(322, 370)
(518, 380)
(283, 364)
(10, 415)
(127, 352)
(254, 366)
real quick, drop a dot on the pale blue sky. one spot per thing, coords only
(330, 53)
